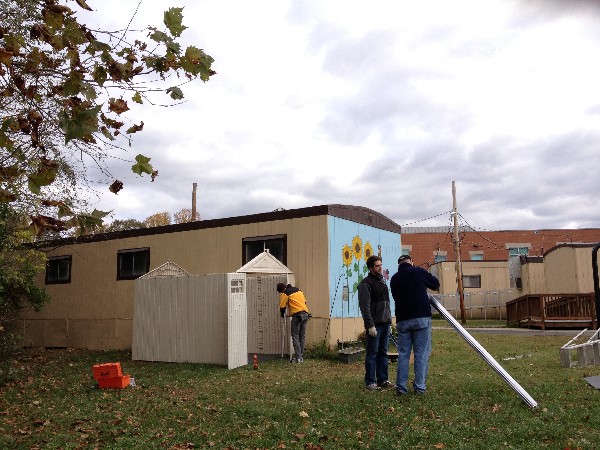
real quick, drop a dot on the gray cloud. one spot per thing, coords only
(415, 105)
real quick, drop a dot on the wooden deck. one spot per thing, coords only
(553, 311)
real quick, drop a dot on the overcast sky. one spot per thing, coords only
(379, 104)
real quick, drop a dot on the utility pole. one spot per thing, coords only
(459, 281)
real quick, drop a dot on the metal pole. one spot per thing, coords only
(596, 283)
(484, 354)
(282, 336)
(290, 341)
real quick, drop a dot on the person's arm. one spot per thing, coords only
(364, 302)
(283, 299)
(431, 281)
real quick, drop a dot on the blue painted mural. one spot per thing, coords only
(350, 244)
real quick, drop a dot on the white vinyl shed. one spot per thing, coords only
(190, 318)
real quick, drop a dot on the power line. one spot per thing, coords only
(498, 246)
(423, 220)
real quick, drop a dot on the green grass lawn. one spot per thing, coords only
(54, 403)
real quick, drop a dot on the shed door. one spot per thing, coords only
(237, 341)
(264, 322)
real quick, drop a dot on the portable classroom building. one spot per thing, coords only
(91, 279)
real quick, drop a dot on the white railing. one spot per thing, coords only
(478, 305)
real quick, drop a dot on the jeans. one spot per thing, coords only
(376, 355)
(299, 321)
(413, 334)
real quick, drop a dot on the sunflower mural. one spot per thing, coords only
(358, 254)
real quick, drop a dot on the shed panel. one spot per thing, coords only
(187, 319)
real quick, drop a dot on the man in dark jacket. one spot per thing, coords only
(413, 321)
(374, 302)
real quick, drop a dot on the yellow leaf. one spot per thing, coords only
(303, 414)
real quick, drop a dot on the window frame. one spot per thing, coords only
(271, 237)
(472, 277)
(517, 248)
(128, 251)
(440, 256)
(476, 256)
(50, 259)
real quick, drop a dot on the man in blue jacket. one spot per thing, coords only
(413, 321)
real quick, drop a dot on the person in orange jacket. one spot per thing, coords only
(292, 298)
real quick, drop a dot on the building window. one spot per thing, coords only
(406, 249)
(476, 256)
(254, 246)
(132, 263)
(516, 249)
(471, 281)
(58, 270)
(439, 256)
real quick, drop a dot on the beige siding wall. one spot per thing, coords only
(494, 275)
(95, 310)
(569, 270)
(532, 279)
(583, 269)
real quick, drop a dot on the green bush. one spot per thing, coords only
(320, 350)
(19, 265)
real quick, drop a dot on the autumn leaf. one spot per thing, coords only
(173, 19)
(6, 196)
(440, 445)
(118, 105)
(116, 186)
(83, 4)
(135, 128)
(176, 93)
(5, 56)
(83, 123)
(137, 97)
(303, 414)
(141, 165)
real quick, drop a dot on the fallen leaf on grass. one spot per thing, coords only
(303, 414)
(311, 446)
(439, 445)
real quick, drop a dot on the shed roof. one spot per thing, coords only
(264, 263)
(168, 269)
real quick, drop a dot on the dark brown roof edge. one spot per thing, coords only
(358, 214)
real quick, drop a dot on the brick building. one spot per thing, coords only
(428, 245)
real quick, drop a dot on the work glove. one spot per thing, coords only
(373, 332)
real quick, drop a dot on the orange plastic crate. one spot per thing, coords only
(114, 383)
(108, 370)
